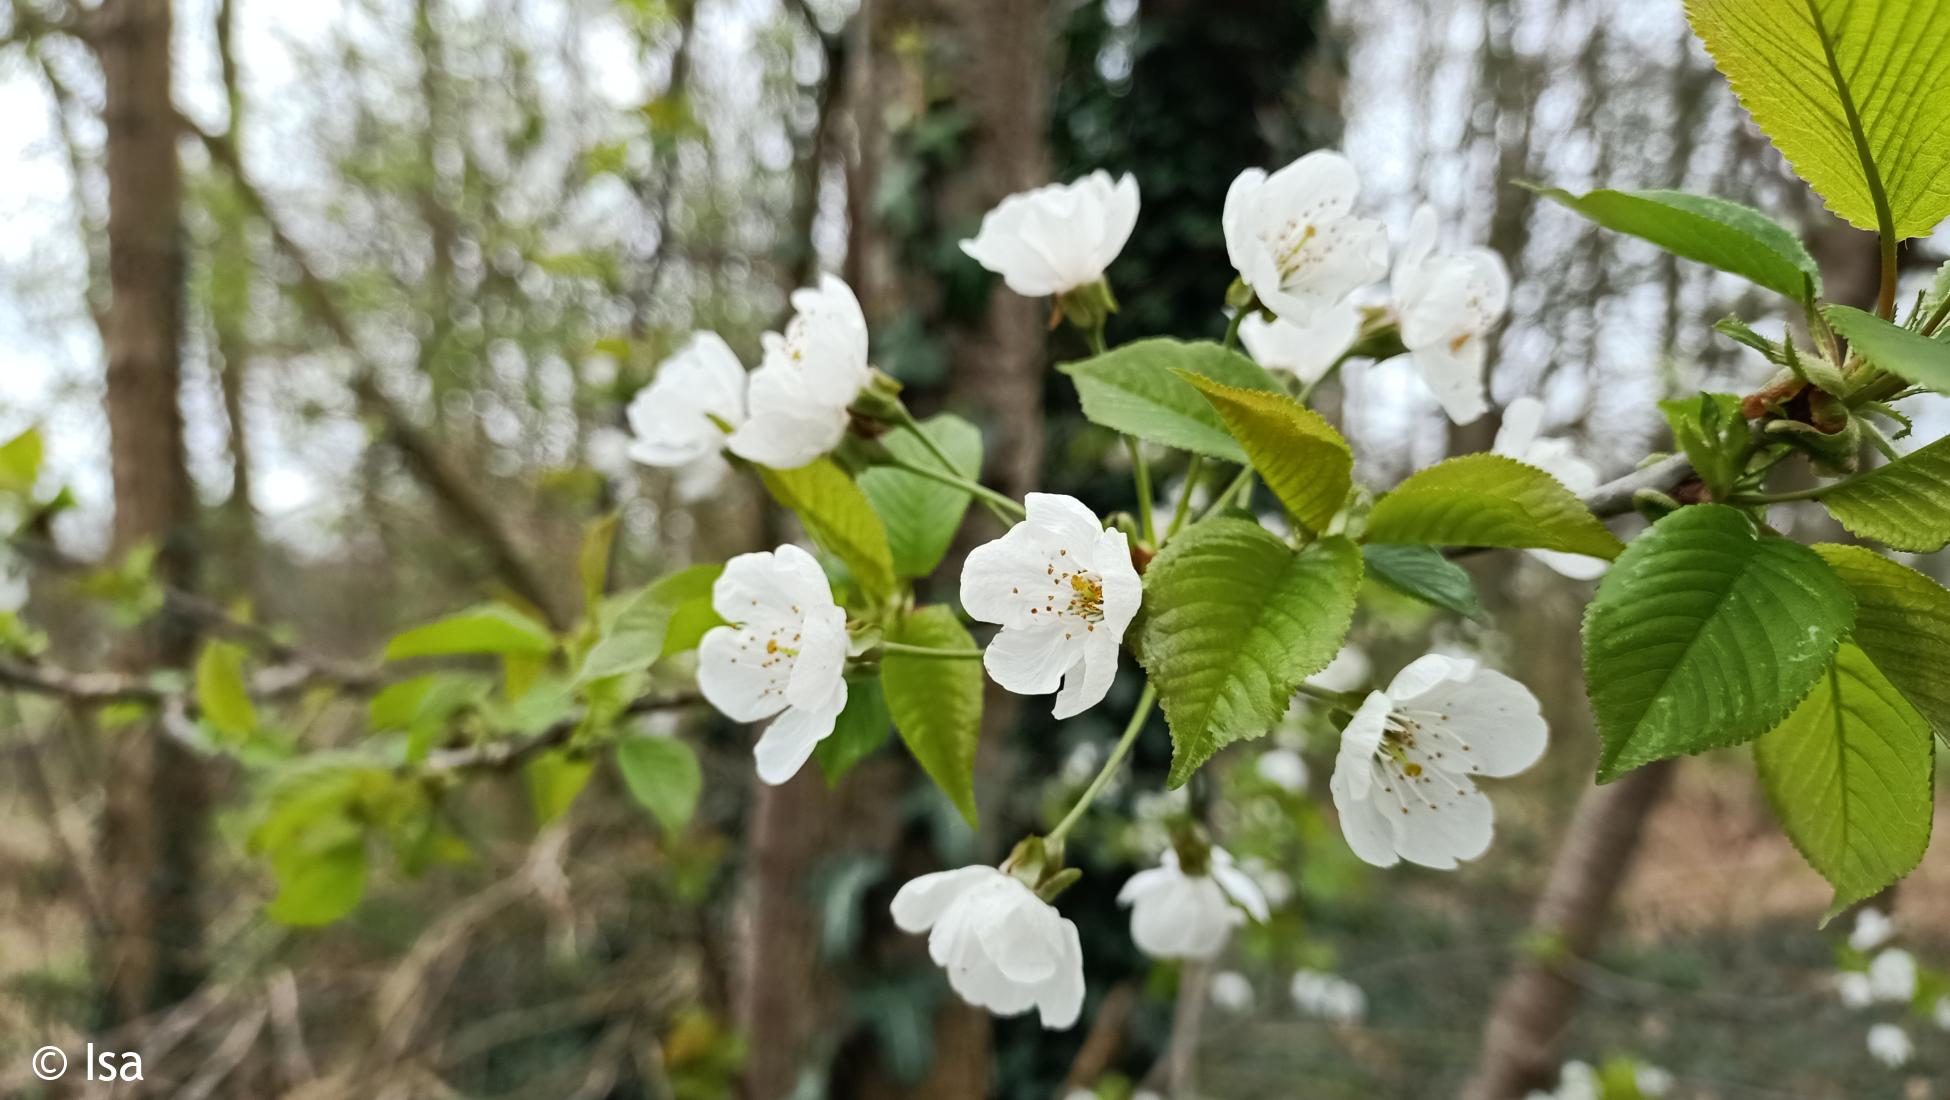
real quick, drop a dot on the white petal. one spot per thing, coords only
(818, 673)
(1032, 660)
(1304, 351)
(1238, 885)
(1577, 567)
(1522, 421)
(1110, 558)
(1489, 720)
(1025, 944)
(770, 586)
(1060, 1000)
(922, 901)
(1442, 825)
(1089, 680)
(1368, 831)
(1360, 738)
(1423, 674)
(1454, 374)
(791, 738)
(1238, 232)
(738, 677)
(1003, 579)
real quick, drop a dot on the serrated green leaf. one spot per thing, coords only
(1489, 500)
(1422, 572)
(663, 776)
(20, 463)
(1902, 621)
(489, 628)
(638, 631)
(1734, 238)
(422, 706)
(1233, 621)
(1893, 60)
(222, 692)
(1911, 356)
(554, 781)
(1849, 774)
(1298, 454)
(1705, 635)
(836, 514)
(1133, 389)
(1904, 504)
(319, 887)
(860, 729)
(936, 703)
(922, 515)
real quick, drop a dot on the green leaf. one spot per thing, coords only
(1234, 621)
(1904, 504)
(639, 630)
(592, 563)
(554, 781)
(837, 516)
(222, 693)
(1422, 572)
(1908, 355)
(1849, 774)
(861, 728)
(1489, 500)
(663, 776)
(936, 703)
(319, 887)
(20, 463)
(1714, 435)
(1704, 635)
(1902, 621)
(422, 706)
(489, 628)
(1136, 390)
(921, 515)
(1736, 239)
(1893, 62)
(1299, 455)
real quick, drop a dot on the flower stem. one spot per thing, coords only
(1349, 701)
(906, 650)
(1815, 493)
(1178, 516)
(1243, 481)
(987, 495)
(1232, 329)
(1094, 336)
(1307, 391)
(912, 427)
(1117, 754)
(1141, 480)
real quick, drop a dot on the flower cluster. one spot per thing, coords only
(1891, 976)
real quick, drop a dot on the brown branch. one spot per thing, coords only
(1614, 498)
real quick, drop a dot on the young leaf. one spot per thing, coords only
(318, 886)
(936, 703)
(922, 515)
(1849, 774)
(1705, 635)
(592, 563)
(1905, 354)
(554, 781)
(638, 632)
(1300, 456)
(20, 463)
(1135, 390)
(1902, 621)
(1489, 500)
(1715, 437)
(663, 776)
(489, 628)
(837, 516)
(1422, 572)
(861, 728)
(1810, 70)
(1734, 238)
(1234, 621)
(1904, 504)
(222, 693)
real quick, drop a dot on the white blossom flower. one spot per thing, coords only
(783, 654)
(1302, 350)
(1519, 438)
(1294, 239)
(1652, 1080)
(697, 396)
(1058, 237)
(1064, 591)
(1892, 976)
(1575, 1081)
(1232, 991)
(1348, 671)
(1447, 302)
(1004, 948)
(799, 395)
(1283, 768)
(1328, 996)
(1276, 884)
(1941, 1013)
(1404, 779)
(1873, 928)
(1853, 987)
(1175, 915)
(1890, 1045)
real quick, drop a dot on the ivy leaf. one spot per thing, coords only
(1904, 504)
(222, 693)
(663, 776)
(1234, 621)
(1704, 635)
(1489, 500)
(1849, 774)
(1911, 356)
(1299, 455)
(1422, 572)
(837, 516)
(638, 630)
(1810, 70)
(489, 628)
(1902, 621)
(860, 729)
(1736, 239)
(1137, 389)
(922, 515)
(936, 702)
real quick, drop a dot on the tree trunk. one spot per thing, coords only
(157, 807)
